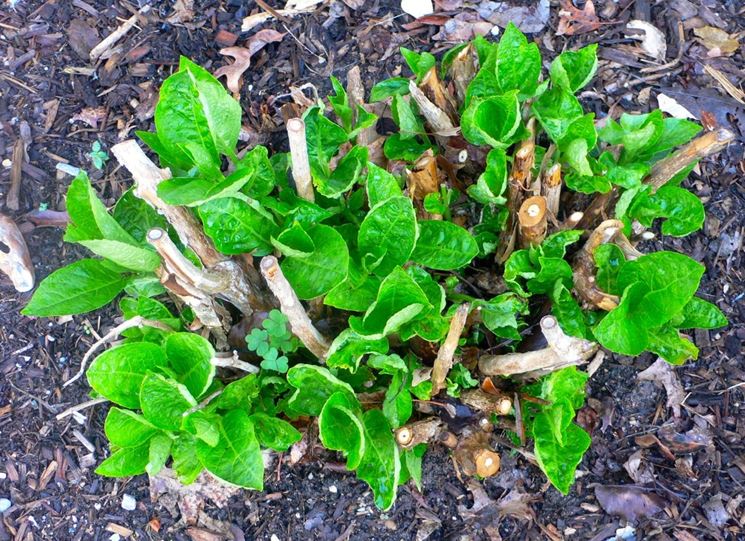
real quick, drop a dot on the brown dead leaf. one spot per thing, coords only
(652, 39)
(530, 17)
(717, 41)
(424, 177)
(15, 260)
(90, 115)
(629, 502)
(647, 441)
(183, 12)
(574, 21)
(463, 27)
(516, 503)
(82, 37)
(689, 442)
(662, 373)
(639, 470)
(242, 55)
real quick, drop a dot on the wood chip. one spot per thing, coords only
(113, 527)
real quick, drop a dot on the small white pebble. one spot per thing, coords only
(115, 537)
(310, 476)
(4, 504)
(3, 475)
(274, 537)
(333, 489)
(129, 503)
(97, 506)
(7, 163)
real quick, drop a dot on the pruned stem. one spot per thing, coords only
(486, 402)
(15, 260)
(412, 434)
(551, 189)
(532, 218)
(300, 161)
(234, 362)
(563, 350)
(137, 321)
(177, 263)
(300, 323)
(584, 266)
(701, 147)
(444, 361)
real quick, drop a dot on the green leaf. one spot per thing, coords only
(619, 331)
(340, 103)
(389, 233)
(294, 241)
(124, 254)
(136, 216)
(380, 185)
(419, 63)
(195, 108)
(408, 150)
(675, 132)
(321, 271)
(158, 453)
(701, 314)
(185, 462)
(556, 110)
(195, 191)
(89, 218)
(190, 357)
(572, 70)
(117, 373)
(559, 462)
(500, 314)
(668, 343)
(324, 139)
(684, 211)
(238, 394)
(518, 62)
(398, 404)
(340, 427)
(348, 348)
(126, 462)
(257, 165)
(380, 466)
(164, 401)
(204, 426)
(314, 385)
(274, 361)
(236, 459)
(609, 259)
(568, 312)
(395, 86)
(125, 428)
(412, 464)
(237, 227)
(444, 245)
(491, 184)
(274, 433)
(492, 121)
(346, 174)
(406, 118)
(400, 299)
(78, 288)
(638, 134)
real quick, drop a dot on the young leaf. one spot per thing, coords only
(314, 385)
(340, 103)
(195, 108)
(572, 70)
(556, 109)
(398, 148)
(237, 227)
(324, 138)
(126, 462)
(356, 293)
(491, 184)
(322, 270)
(238, 394)
(117, 373)
(185, 462)
(518, 62)
(500, 314)
(340, 427)
(124, 254)
(158, 453)
(78, 288)
(395, 86)
(274, 433)
(203, 426)
(559, 462)
(136, 216)
(669, 344)
(380, 466)
(125, 428)
(389, 233)
(236, 459)
(492, 121)
(346, 174)
(164, 401)
(398, 404)
(380, 184)
(684, 211)
(444, 245)
(348, 348)
(419, 63)
(189, 355)
(700, 314)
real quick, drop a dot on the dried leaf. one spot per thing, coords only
(717, 41)
(574, 21)
(516, 503)
(662, 373)
(640, 471)
(531, 18)
(183, 12)
(463, 27)
(82, 37)
(653, 41)
(417, 8)
(672, 107)
(242, 55)
(716, 512)
(91, 116)
(629, 502)
(15, 260)
(689, 442)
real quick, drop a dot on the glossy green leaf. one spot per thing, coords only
(380, 466)
(126, 462)
(701, 314)
(136, 216)
(346, 174)
(324, 269)
(492, 121)
(444, 245)
(124, 254)
(340, 427)
(492, 183)
(324, 139)
(348, 348)
(518, 63)
(78, 288)
(186, 464)
(380, 185)
(501, 314)
(117, 373)
(395, 86)
(164, 401)
(559, 462)
(572, 70)
(238, 394)
(408, 150)
(356, 293)
(236, 227)
(556, 110)
(190, 357)
(684, 211)
(389, 233)
(274, 433)
(398, 404)
(419, 63)
(340, 103)
(158, 453)
(313, 386)
(669, 344)
(236, 459)
(125, 428)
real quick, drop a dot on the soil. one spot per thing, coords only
(46, 466)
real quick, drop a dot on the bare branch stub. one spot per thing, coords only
(532, 218)
(300, 162)
(290, 305)
(584, 267)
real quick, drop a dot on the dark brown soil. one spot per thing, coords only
(45, 465)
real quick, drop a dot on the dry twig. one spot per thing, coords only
(444, 361)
